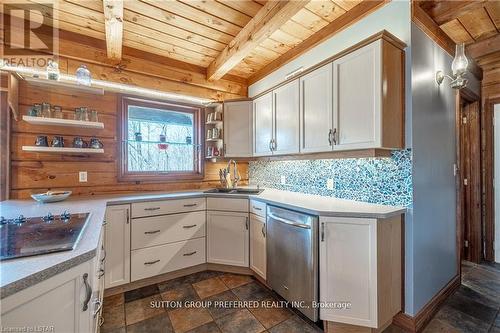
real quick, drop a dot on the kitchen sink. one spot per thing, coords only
(235, 190)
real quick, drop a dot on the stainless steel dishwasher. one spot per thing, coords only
(292, 257)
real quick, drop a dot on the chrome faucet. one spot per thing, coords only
(236, 174)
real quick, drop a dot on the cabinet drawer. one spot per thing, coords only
(157, 230)
(152, 208)
(167, 258)
(232, 205)
(258, 208)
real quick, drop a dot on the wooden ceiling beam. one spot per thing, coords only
(443, 11)
(269, 19)
(342, 22)
(484, 47)
(113, 20)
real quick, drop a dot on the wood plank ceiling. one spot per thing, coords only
(197, 31)
(475, 23)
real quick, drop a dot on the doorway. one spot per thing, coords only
(469, 186)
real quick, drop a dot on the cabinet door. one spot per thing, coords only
(263, 125)
(238, 129)
(357, 94)
(286, 124)
(348, 270)
(258, 245)
(316, 114)
(227, 238)
(117, 245)
(57, 302)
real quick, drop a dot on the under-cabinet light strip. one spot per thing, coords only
(111, 86)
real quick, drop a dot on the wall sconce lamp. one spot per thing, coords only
(459, 69)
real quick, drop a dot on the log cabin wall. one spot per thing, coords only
(38, 172)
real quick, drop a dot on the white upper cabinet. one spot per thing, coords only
(357, 88)
(355, 102)
(238, 129)
(286, 119)
(263, 125)
(316, 116)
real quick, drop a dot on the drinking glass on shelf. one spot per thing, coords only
(37, 107)
(93, 116)
(46, 111)
(78, 114)
(58, 112)
(84, 114)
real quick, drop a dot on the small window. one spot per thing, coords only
(160, 141)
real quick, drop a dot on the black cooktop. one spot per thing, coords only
(21, 237)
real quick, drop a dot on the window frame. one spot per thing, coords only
(167, 176)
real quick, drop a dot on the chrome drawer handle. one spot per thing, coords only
(256, 208)
(189, 254)
(152, 208)
(101, 273)
(152, 262)
(189, 226)
(88, 292)
(190, 205)
(263, 230)
(151, 232)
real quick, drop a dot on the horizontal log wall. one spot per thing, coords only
(39, 172)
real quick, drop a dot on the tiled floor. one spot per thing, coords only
(133, 311)
(474, 308)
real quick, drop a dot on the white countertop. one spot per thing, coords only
(18, 274)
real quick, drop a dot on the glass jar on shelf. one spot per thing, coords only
(84, 113)
(93, 116)
(46, 111)
(83, 76)
(78, 114)
(53, 70)
(37, 108)
(58, 112)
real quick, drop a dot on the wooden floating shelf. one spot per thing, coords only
(63, 150)
(214, 157)
(63, 84)
(63, 122)
(213, 140)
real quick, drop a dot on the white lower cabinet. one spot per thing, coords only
(360, 263)
(63, 302)
(157, 230)
(228, 238)
(117, 245)
(166, 258)
(258, 245)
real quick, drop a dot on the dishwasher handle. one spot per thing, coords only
(289, 222)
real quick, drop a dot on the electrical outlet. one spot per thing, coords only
(329, 184)
(283, 180)
(82, 176)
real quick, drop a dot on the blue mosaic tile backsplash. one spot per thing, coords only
(385, 181)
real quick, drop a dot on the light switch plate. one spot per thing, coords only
(329, 184)
(283, 180)
(82, 176)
